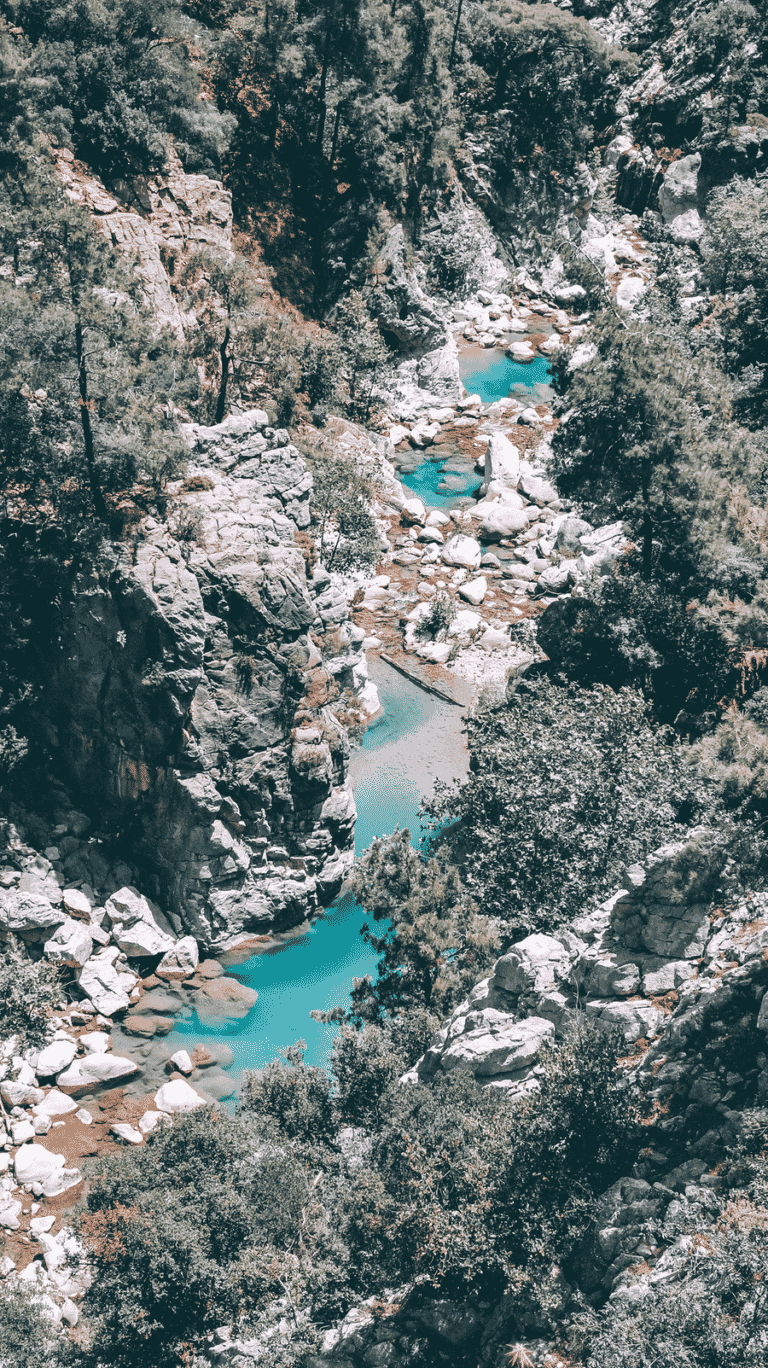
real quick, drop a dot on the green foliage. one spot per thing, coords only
(28, 991)
(473, 1195)
(367, 1063)
(737, 268)
(362, 352)
(435, 944)
(340, 508)
(442, 611)
(115, 82)
(189, 1232)
(26, 1333)
(566, 786)
(296, 1097)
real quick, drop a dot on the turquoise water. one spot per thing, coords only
(425, 479)
(492, 374)
(415, 741)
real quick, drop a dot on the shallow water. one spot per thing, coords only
(416, 740)
(491, 373)
(424, 481)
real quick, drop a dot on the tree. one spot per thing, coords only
(116, 81)
(362, 352)
(340, 507)
(435, 944)
(566, 785)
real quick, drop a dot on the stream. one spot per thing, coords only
(416, 739)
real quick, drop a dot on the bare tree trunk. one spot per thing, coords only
(455, 35)
(221, 402)
(85, 421)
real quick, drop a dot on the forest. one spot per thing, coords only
(331, 122)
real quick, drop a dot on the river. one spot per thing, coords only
(415, 740)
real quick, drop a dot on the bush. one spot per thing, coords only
(294, 1095)
(566, 785)
(28, 991)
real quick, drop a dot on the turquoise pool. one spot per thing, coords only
(492, 374)
(416, 740)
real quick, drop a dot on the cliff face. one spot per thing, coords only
(190, 708)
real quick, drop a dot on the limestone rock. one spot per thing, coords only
(55, 1057)
(94, 1069)
(493, 1044)
(502, 461)
(54, 1103)
(474, 591)
(71, 944)
(177, 1096)
(23, 912)
(137, 924)
(462, 551)
(181, 961)
(100, 981)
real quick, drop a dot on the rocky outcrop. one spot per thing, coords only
(651, 963)
(190, 707)
(156, 221)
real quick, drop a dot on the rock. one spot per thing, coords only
(182, 1061)
(569, 535)
(398, 434)
(71, 944)
(538, 490)
(94, 1042)
(613, 151)
(126, 1132)
(223, 999)
(494, 639)
(76, 903)
(413, 512)
(502, 520)
(405, 314)
(434, 519)
(84, 1116)
(474, 591)
(177, 1096)
(180, 962)
(18, 1094)
(23, 912)
(34, 1164)
(95, 1069)
(555, 579)
(462, 551)
(21, 1131)
(502, 461)
(149, 1120)
(497, 1045)
(465, 623)
(633, 1019)
(54, 1103)
(678, 198)
(665, 908)
(431, 534)
(630, 290)
(136, 927)
(584, 353)
(529, 417)
(55, 1057)
(42, 1124)
(532, 965)
(436, 652)
(99, 980)
(10, 1210)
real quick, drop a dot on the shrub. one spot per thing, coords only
(28, 991)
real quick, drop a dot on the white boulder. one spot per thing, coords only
(177, 1096)
(630, 290)
(149, 1120)
(413, 512)
(76, 903)
(96, 1068)
(71, 944)
(56, 1057)
(136, 924)
(182, 1061)
(100, 981)
(124, 1131)
(54, 1103)
(502, 461)
(94, 1042)
(20, 912)
(474, 591)
(181, 961)
(462, 551)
